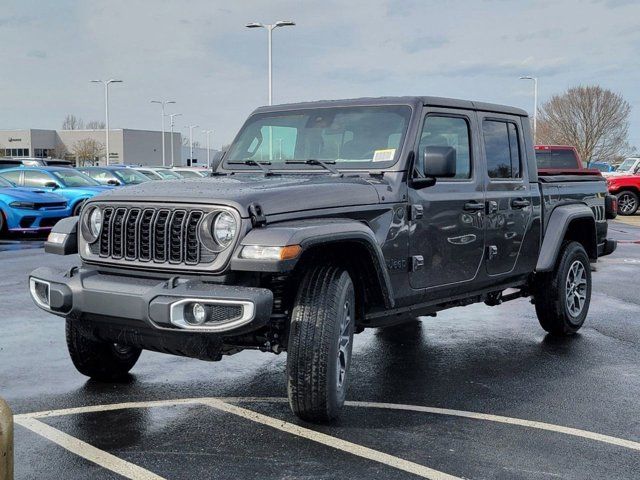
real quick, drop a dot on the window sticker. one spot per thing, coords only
(384, 155)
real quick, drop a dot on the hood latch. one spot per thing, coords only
(257, 216)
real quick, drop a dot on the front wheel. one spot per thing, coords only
(627, 202)
(562, 297)
(320, 344)
(99, 360)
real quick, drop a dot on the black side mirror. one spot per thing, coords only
(113, 181)
(53, 185)
(439, 162)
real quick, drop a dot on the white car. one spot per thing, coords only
(630, 166)
(191, 172)
(159, 173)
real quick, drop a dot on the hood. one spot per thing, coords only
(275, 194)
(30, 195)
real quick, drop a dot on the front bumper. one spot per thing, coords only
(152, 303)
(21, 220)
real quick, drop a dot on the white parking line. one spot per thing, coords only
(329, 441)
(89, 452)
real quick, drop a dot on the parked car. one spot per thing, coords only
(8, 162)
(29, 210)
(630, 166)
(561, 159)
(76, 187)
(114, 175)
(627, 189)
(159, 173)
(191, 172)
(407, 206)
(602, 167)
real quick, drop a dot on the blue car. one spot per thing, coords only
(29, 210)
(76, 187)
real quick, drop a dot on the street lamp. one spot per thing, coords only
(207, 133)
(106, 110)
(162, 104)
(270, 28)
(191, 127)
(535, 103)
(171, 117)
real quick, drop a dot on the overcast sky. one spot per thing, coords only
(199, 54)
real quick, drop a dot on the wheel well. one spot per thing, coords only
(630, 188)
(359, 261)
(583, 231)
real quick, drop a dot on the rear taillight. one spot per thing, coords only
(610, 207)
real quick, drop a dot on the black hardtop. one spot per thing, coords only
(417, 102)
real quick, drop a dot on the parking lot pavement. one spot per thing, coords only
(476, 392)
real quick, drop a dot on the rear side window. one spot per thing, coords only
(502, 149)
(560, 158)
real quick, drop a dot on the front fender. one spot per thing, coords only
(308, 234)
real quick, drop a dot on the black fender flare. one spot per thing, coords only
(67, 230)
(309, 234)
(556, 230)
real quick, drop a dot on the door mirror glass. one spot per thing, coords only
(439, 162)
(53, 185)
(113, 181)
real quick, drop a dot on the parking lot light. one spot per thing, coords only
(162, 103)
(106, 84)
(535, 103)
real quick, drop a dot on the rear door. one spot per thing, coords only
(447, 235)
(509, 196)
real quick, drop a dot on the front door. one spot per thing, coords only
(509, 195)
(447, 235)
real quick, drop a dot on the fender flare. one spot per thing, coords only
(309, 234)
(556, 230)
(67, 230)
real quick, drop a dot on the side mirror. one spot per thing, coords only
(53, 185)
(439, 162)
(114, 182)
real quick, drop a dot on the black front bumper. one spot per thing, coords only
(148, 303)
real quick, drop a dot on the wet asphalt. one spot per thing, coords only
(494, 360)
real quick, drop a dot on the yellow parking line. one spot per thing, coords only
(89, 452)
(329, 441)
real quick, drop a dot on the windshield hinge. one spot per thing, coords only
(257, 216)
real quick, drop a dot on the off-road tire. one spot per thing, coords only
(627, 200)
(552, 289)
(99, 360)
(322, 323)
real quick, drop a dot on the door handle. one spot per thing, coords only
(520, 203)
(473, 206)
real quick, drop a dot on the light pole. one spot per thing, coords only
(535, 103)
(106, 111)
(270, 28)
(162, 104)
(207, 133)
(171, 117)
(191, 127)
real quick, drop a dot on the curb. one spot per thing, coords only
(6, 441)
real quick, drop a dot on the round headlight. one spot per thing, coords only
(95, 222)
(224, 229)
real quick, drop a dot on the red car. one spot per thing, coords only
(627, 189)
(558, 159)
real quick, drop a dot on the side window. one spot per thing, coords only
(13, 177)
(502, 149)
(36, 179)
(440, 131)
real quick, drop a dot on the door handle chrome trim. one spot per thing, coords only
(473, 206)
(520, 203)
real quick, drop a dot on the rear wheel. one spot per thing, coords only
(627, 202)
(562, 297)
(320, 343)
(99, 360)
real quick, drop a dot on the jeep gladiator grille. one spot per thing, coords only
(153, 235)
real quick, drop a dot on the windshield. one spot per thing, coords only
(352, 137)
(73, 178)
(5, 183)
(559, 158)
(627, 165)
(167, 174)
(189, 173)
(129, 176)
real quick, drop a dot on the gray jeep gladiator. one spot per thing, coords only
(323, 219)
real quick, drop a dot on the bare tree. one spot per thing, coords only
(95, 125)
(59, 151)
(592, 119)
(71, 122)
(87, 151)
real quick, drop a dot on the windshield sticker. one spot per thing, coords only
(384, 155)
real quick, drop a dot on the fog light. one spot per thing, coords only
(197, 314)
(40, 292)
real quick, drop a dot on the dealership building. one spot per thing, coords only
(126, 146)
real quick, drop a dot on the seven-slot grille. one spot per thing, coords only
(145, 234)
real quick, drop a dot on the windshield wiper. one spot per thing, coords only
(260, 164)
(313, 161)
